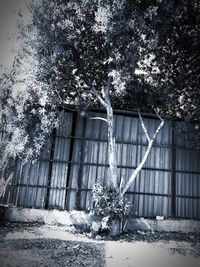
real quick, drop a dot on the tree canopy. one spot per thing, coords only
(86, 43)
(178, 58)
(147, 50)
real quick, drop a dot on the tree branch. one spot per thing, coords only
(143, 126)
(141, 164)
(158, 129)
(107, 87)
(160, 125)
(159, 116)
(98, 118)
(94, 91)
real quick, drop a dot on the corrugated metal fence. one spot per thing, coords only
(75, 157)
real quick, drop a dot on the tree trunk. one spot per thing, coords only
(112, 148)
(138, 169)
(116, 228)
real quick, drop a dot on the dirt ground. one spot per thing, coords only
(43, 245)
(18, 248)
(50, 252)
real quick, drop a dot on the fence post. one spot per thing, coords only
(78, 195)
(173, 177)
(71, 149)
(53, 136)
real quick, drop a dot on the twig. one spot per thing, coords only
(158, 129)
(160, 125)
(158, 115)
(143, 126)
(98, 118)
(107, 87)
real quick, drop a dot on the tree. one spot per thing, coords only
(107, 53)
(27, 108)
(90, 51)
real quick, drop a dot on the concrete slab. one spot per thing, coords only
(76, 218)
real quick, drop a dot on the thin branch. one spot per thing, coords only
(158, 129)
(143, 126)
(98, 118)
(80, 68)
(158, 115)
(94, 91)
(160, 125)
(107, 87)
(141, 164)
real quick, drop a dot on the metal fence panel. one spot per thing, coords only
(78, 157)
(59, 171)
(29, 184)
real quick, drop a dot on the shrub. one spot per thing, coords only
(107, 203)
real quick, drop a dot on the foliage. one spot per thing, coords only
(146, 51)
(149, 49)
(109, 204)
(28, 109)
(88, 53)
(177, 57)
(27, 116)
(83, 44)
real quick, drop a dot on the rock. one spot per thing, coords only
(140, 232)
(89, 235)
(159, 218)
(95, 227)
(76, 246)
(104, 223)
(98, 237)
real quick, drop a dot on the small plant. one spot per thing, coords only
(107, 203)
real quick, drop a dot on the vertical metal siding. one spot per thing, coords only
(60, 163)
(148, 183)
(187, 179)
(30, 181)
(87, 163)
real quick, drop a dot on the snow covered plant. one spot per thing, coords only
(107, 203)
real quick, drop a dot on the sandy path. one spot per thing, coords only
(120, 253)
(142, 254)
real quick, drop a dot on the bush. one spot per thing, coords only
(107, 203)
